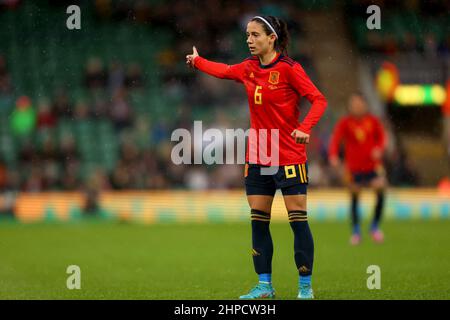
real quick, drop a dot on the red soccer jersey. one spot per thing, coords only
(360, 136)
(274, 92)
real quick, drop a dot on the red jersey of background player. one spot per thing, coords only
(361, 136)
(274, 92)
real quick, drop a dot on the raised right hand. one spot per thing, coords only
(190, 57)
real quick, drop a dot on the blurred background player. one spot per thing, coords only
(363, 137)
(274, 84)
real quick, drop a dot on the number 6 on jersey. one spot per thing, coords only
(258, 95)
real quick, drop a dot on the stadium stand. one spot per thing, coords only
(105, 99)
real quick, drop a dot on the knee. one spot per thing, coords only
(261, 203)
(379, 184)
(294, 203)
(354, 189)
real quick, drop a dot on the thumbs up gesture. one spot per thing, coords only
(190, 57)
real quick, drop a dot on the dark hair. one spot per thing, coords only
(359, 94)
(280, 27)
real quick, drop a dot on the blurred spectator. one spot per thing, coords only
(103, 8)
(68, 151)
(61, 105)
(51, 175)
(141, 133)
(35, 180)
(91, 205)
(430, 46)
(174, 174)
(184, 117)
(96, 182)
(28, 153)
(3, 176)
(120, 110)
(49, 149)
(227, 176)
(116, 76)
(70, 161)
(45, 117)
(95, 76)
(6, 97)
(23, 118)
(160, 132)
(3, 69)
(409, 41)
(7, 197)
(121, 178)
(390, 44)
(134, 78)
(100, 108)
(142, 11)
(81, 110)
(70, 180)
(197, 179)
(13, 179)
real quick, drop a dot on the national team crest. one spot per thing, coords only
(274, 77)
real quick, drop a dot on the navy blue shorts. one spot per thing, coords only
(291, 179)
(364, 178)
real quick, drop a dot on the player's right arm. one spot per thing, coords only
(216, 69)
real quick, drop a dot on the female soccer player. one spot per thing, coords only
(364, 139)
(274, 84)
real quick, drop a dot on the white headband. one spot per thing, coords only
(268, 24)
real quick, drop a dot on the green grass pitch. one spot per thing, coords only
(213, 261)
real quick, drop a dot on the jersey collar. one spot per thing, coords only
(274, 62)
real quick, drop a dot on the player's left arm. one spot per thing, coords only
(380, 140)
(337, 137)
(304, 86)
